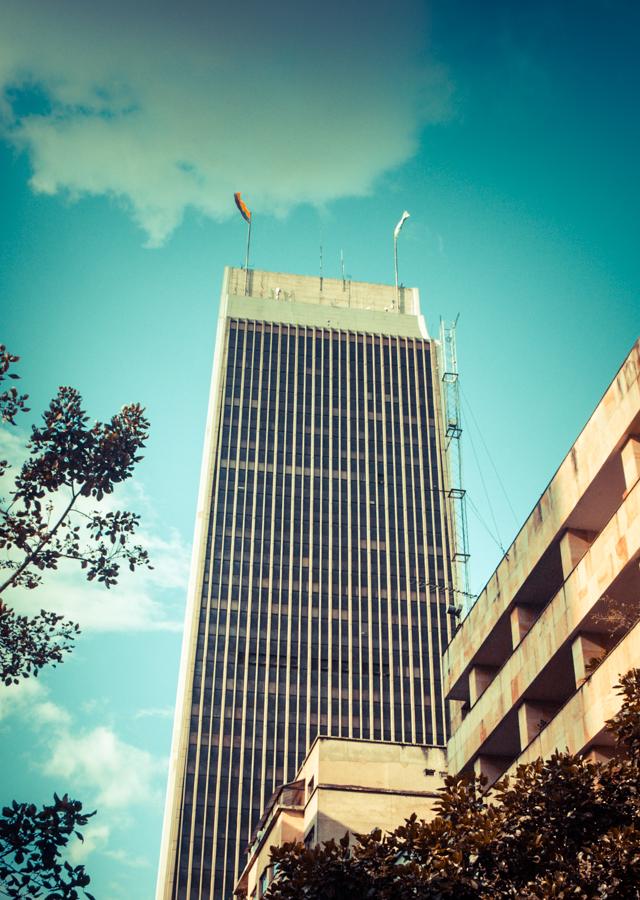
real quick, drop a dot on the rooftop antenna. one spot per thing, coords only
(342, 270)
(453, 449)
(321, 266)
(396, 232)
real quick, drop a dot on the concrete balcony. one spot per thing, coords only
(581, 498)
(579, 725)
(512, 702)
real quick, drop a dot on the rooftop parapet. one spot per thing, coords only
(334, 292)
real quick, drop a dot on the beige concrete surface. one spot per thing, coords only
(583, 493)
(613, 551)
(579, 725)
(350, 786)
(564, 600)
(285, 287)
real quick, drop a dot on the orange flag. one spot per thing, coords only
(242, 206)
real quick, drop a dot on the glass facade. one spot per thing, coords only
(324, 590)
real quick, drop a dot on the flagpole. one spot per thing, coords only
(395, 264)
(246, 262)
(245, 212)
(396, 232)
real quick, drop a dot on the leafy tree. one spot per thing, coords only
(562, 827)
(28, 644)
(11, 402)
(31, 841)
(70, 461)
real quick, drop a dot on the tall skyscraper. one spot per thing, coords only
(321, 572)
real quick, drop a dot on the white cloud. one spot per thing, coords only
(117, 774)
(95, 837)
(123, 857)
(28, 698)
(166, 107)
(155, 712)
(107, 772)
(12, 448)
(48, 713)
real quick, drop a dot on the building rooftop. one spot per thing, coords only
(346, 294)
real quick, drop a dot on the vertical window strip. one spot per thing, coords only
(377, 679)
(257, 542)
(346, 699)
(229, 661)
(333, 680)
(212, 663)
(287, 527)
(245, 593)
(251, 646)
(433, 590)
(315, 572)
(423, 491)
(370, 462)
(444, 520)
(316, 464)
(406, 633)
(387, 686)
(297, 713)
(264, 602)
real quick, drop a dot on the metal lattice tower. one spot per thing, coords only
(453, 448)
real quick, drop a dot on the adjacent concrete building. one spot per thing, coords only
(536, 660)
(321, 576)
(344, 786)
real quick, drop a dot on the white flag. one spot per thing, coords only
(396, 230)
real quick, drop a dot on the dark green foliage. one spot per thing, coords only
(70, 461)
(626, 725)
(562, 827)
(29, 644)
(11, 402)
(31, 841)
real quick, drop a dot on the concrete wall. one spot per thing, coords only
(564, 504)
(361, 785)
(286, 287)
(579, 725)
(287, 826)
(355, 786)
(567, 592)
(617, 547)
(346, 319)
(375, 764)
(359, 813)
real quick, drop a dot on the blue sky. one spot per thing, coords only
(509, 131)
